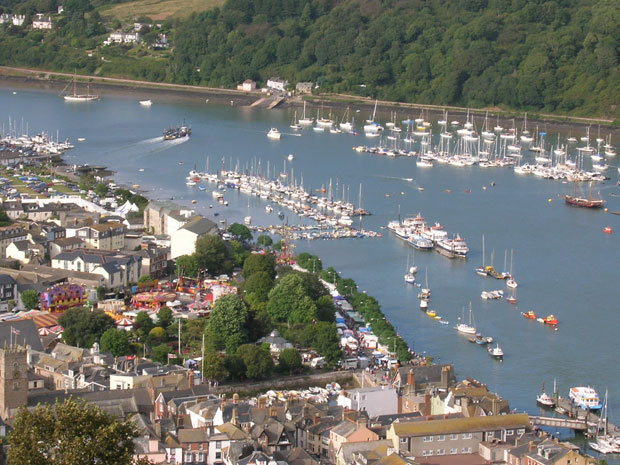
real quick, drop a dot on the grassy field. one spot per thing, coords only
(158, 10)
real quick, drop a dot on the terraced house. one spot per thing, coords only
(453, 436)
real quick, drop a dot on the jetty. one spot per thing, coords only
(574, 418)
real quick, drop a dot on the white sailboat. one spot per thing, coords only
(294, 124)
(425, 292)
(466, 328)
(345, 124)
(511, 282)
(605, 444)
(306, 121)
(371, 126)
(410, 273)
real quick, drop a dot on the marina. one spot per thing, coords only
(513, 211)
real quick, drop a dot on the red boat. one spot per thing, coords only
(551, 320)
(607, 230)
(577, 201)
(511, 299)
(530, 315)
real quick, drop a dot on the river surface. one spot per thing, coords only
(565, 265)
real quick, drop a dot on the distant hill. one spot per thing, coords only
(158, 10)
(557, 56)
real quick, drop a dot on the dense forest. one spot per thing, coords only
(537, 55)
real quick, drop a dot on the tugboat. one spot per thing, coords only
(177, 132)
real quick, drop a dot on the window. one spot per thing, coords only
(427, 453)
(218, 455)
(16, 386)
(189, 458)
(200, 447)
(218, 444)
(441, 452)
(466, 435)
(428, 438)
(453, 451)
(189, 447)
(521, 431)
(510, 432)
(403, 440)
(454, 437)
(441, 437)
(490, 434)
(466, 450)
(200, 457)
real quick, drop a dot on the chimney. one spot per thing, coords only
(235, 399)
(262, 403)
(445, 377)
(427, 403)
(273, 412)
(411, 378)
(305, 410)
(223, 401)
(157, 427)
(362, 422)
(317, 418)
(235, 418)
(530, 446)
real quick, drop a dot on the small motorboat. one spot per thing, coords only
(496, 352)
(544, 400)
(511, 299)
(291, 157)
(431, 313)
(529, 315)
(607, 230)
(511, 283)
(146, 103)
(274, 134)
(551, 320)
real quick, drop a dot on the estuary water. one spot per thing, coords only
(565, 265)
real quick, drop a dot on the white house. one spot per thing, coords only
(247, 86)
(379, 400)
(119, 37)
(183, 240)
(42, 22)
(276, 83)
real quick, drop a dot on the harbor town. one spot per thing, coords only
(165, 269)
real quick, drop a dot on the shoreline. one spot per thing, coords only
(174, 93)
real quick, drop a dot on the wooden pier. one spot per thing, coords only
(575, 418)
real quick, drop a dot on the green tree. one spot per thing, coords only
(226, 326)
(214, 366)
(115, 341)
(312, 263)
(259, 262)
(145, 278)
(257, 287)
(143, 323)
(4, 218)
(101, 292)
(157, 335)
(164, 317)
(235, 366)
(213, 255)
(240, 231)
(160, 353)
(264, 241)
(30, 298)
(72, 432)
(289, 301)
(83, 327)
(290, 361)
(187, 265)
(258, 361)
(101, 189)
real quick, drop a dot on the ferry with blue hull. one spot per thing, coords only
(585, 398)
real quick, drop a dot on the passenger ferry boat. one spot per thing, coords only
(452, 248)
(585, 397)
(178, 132)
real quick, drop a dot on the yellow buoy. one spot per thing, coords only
(606, 210)
(550, 200)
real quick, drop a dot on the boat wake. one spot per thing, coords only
(396, 178)
(152, 140)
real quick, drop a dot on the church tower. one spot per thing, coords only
(13, 380)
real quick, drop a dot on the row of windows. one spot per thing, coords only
(453, 451)
(442, 437)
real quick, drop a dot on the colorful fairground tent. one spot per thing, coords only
(152, 300)
(45, 322)
(62, 297)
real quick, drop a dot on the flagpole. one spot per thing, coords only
(202, 369)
